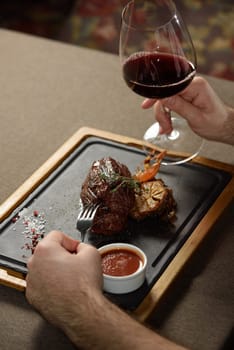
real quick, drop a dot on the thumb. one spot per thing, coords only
(63, 240)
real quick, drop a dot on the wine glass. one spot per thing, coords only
(159, 60)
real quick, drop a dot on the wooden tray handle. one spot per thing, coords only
(13, 281)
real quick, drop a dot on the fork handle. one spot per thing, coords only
(82, 235)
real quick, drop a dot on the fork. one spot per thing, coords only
(85, 218)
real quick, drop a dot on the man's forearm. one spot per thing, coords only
(105, 326)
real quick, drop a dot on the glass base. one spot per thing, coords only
(181, 140)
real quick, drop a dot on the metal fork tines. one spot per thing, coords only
(85, 218)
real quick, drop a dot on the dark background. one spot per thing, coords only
(96, 23)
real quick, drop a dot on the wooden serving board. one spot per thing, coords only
(16, 279)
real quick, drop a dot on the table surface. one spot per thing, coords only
(48, 90)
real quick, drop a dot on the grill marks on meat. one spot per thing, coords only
(104, 184)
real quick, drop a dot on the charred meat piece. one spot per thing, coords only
(154, 198)
(109, 183)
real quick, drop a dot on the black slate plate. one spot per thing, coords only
(195, 188)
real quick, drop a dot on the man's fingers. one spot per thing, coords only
(163, 117)
(183, 108)
(57, 237)
(147, 103)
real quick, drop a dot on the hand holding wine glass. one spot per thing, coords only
(159, 60)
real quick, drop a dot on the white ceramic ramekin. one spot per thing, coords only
(130, 282)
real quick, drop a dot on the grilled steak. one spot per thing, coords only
(111, 184)
(106, 183)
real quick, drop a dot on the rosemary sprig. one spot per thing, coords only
(116, 181)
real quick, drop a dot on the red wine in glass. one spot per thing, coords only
(157, 75)
(158, 61)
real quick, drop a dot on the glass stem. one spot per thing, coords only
(174, 134)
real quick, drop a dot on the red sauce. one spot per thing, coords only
(120, 262)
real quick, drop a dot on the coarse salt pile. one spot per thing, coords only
(34, 228)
